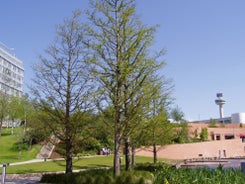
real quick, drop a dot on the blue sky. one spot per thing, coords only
(204, 40)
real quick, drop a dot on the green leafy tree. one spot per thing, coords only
(14, 111)
(4, 96)
(63, 86)
(160, 131)
(212, 123)
(102, 128)
(4, 107)
(204, 134)
(182, 133)
(34, 130)
(120, 45)
(157, 130)
(177, 114)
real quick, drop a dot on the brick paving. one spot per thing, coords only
(233, 148)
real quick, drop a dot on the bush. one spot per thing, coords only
(59, 178)
(99, 177)
(134, 177)
(150, 173)
(150, 167)
(198, 175)
(143, 173)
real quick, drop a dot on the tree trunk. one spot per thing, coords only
(68, 157)
(127, 154)
(133, 155)
(155, 153)
(30, 143)
(19, 150)
(117, 159)
(1, 125)
(12, 130)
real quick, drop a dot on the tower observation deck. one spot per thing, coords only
(220, 102)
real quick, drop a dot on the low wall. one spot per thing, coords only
(223, 148)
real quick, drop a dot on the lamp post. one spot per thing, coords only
(4, 173)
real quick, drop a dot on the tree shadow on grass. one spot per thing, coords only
(78, 166)
(25, 171)
(3, 134)
(90, 166)
(9, 158)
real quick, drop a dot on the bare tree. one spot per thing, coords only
(63, 85)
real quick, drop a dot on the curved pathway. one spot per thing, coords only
(43, 155)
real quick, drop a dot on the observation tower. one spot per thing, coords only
(220, 102)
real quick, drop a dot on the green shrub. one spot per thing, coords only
(198, 175)
(99, 177)
(148, 173)
(59, 178)
(126, 178)
(99, 180)
(133, 177)
(150, 167)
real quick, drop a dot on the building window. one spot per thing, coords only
(218, 137)
(229, 136)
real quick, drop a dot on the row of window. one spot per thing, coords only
(11, 74)
(11, 63)
(6, 72)
(10, 90)
(10, 82)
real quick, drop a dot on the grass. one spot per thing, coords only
(199, 175)
(78, 164)
(9, 151)
(102, 176)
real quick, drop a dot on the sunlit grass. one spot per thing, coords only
(9, 151)
(78, 164)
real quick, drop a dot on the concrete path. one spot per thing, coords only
(42, 156)
(29, 178)
(35, 161)
(24, 178)
(20, 180)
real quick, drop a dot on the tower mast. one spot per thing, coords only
(220, 102)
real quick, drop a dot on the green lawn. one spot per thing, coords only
(78, 164)
(9, 152)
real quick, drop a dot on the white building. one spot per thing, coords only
(238, 118)
(11, 72)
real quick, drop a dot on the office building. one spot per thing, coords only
(11, 72)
